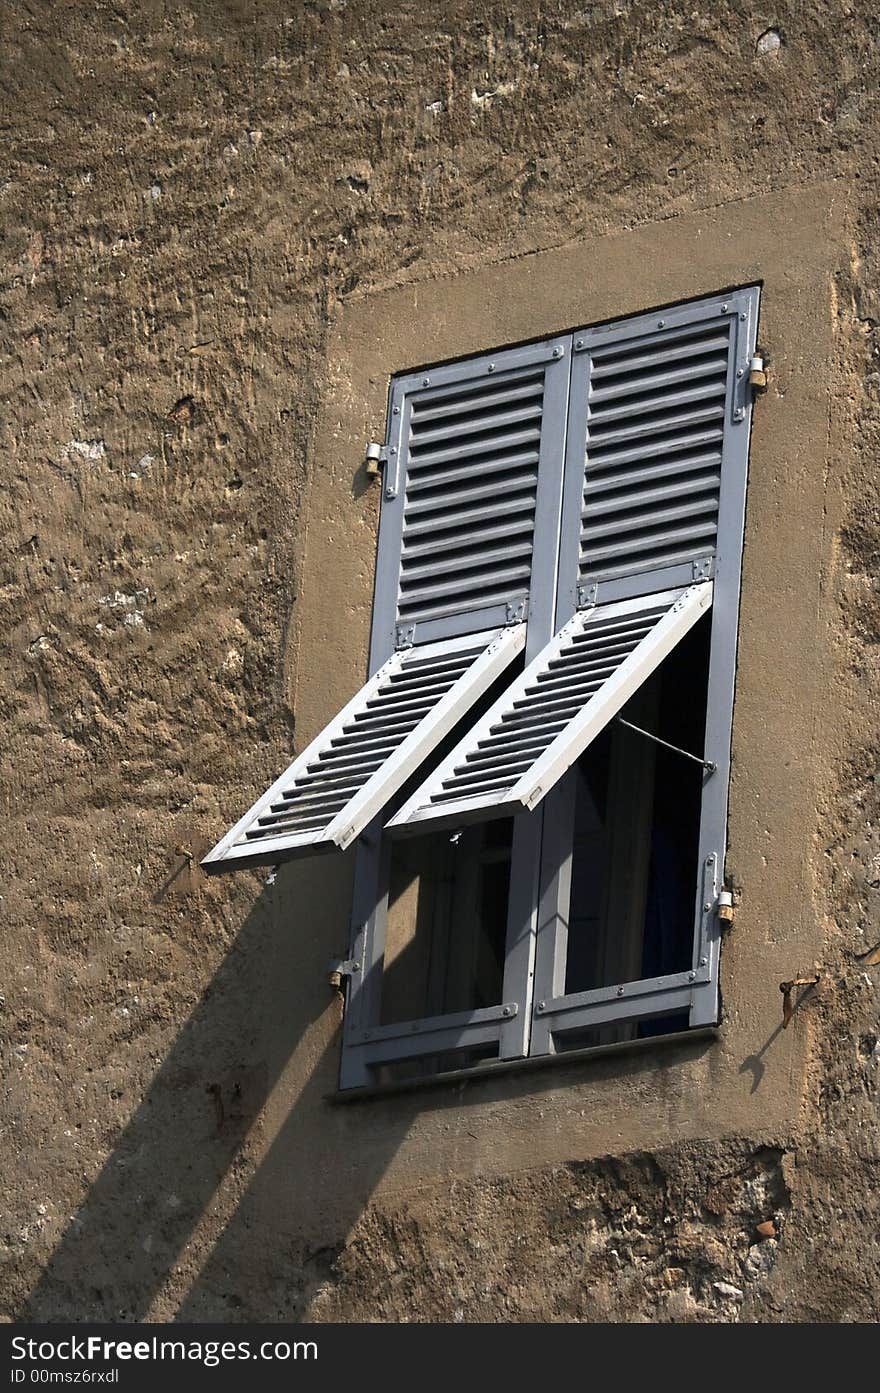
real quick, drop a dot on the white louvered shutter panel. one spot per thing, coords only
(468, 540)
(343, 779)
(524, 744)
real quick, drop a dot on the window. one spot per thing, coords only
(536, 772)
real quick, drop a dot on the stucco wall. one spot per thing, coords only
(224, 226)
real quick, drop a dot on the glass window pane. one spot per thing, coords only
(446, 922)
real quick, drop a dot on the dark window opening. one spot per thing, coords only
(636, 831)
(446, 912)
(446, 922)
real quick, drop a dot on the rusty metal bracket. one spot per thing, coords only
(788, 1007)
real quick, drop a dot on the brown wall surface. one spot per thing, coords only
(223, 226)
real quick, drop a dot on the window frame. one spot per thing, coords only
(534, 1014)
(696, 989)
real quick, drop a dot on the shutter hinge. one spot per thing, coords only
(342, 967)
(757, 373)
(516, 610)
(751, 381)
(404, 636)
(375, 456)
(587, 595)
(702, 568)
(710, 888)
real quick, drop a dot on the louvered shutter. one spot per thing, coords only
(655, 490)
(655, 401)
(472, 494)
(468, 538)
(524, 744)
(343, 779)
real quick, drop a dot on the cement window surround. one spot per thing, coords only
(752, 1076)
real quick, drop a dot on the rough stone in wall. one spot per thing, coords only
(689, 1235)
(188, 194)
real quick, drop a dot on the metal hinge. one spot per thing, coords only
(702, 568)
(516, 610)
(757, 373)
(392, 472)
(404, 636)
(587, 595)
(342, 967)
(375, 456)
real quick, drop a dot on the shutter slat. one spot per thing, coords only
(530, 386)
(598, 485)
(484, 426)
(652, 449)
(620, 351)
(663, 540)
(516, 528)
(456, 508)
(667, 352)
(425, 608)
(694, 417)
(508, 575)
(635, 520)
(653, 404)
(618, 502)
(630, 383)
(483, 445)
(440, 479)
(338, 785)
(526, 741)
(455, 564)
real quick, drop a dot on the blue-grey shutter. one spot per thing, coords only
(655, 493)
(654, 502)
(471, 494)
(467, 550)
(655, 403)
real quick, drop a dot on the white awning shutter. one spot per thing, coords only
(347, 774)
(523, 745)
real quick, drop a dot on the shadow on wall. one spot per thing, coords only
(277, 1204)
(261, 1023)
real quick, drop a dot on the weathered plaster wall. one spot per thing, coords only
(195, 199)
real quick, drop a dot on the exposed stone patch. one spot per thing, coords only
(665, 1237)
